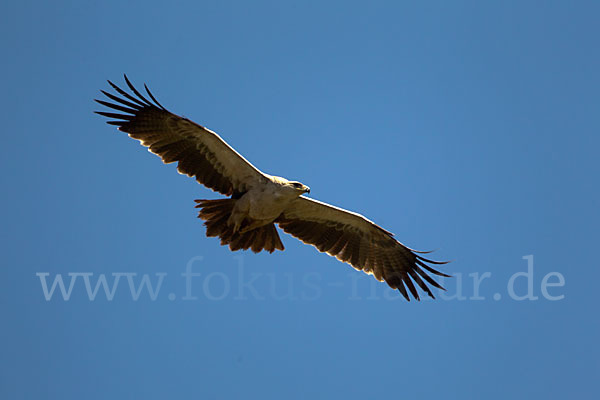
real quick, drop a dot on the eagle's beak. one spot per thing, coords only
(307, 189)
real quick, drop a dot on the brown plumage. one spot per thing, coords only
(258, 201)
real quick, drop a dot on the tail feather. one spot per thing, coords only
(215, 213)
(259, 241)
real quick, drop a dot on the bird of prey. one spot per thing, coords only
(257, 201)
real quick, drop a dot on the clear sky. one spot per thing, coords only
(466, 127)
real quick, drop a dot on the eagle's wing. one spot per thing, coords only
(353, 239)
(200, 152)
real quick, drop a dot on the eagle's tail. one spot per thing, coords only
(217, 212)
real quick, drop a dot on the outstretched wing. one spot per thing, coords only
(201, 153)
(353, 239)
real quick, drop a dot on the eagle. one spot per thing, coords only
(256, 201)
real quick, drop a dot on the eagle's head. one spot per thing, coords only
(291, 188)
(301, 188)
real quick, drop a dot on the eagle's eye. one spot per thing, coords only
(297, 185)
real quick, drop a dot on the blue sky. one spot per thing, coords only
(467, 127)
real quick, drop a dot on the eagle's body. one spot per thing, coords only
(263, 203)
(258, 201)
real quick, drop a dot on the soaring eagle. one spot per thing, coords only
(257, 201)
